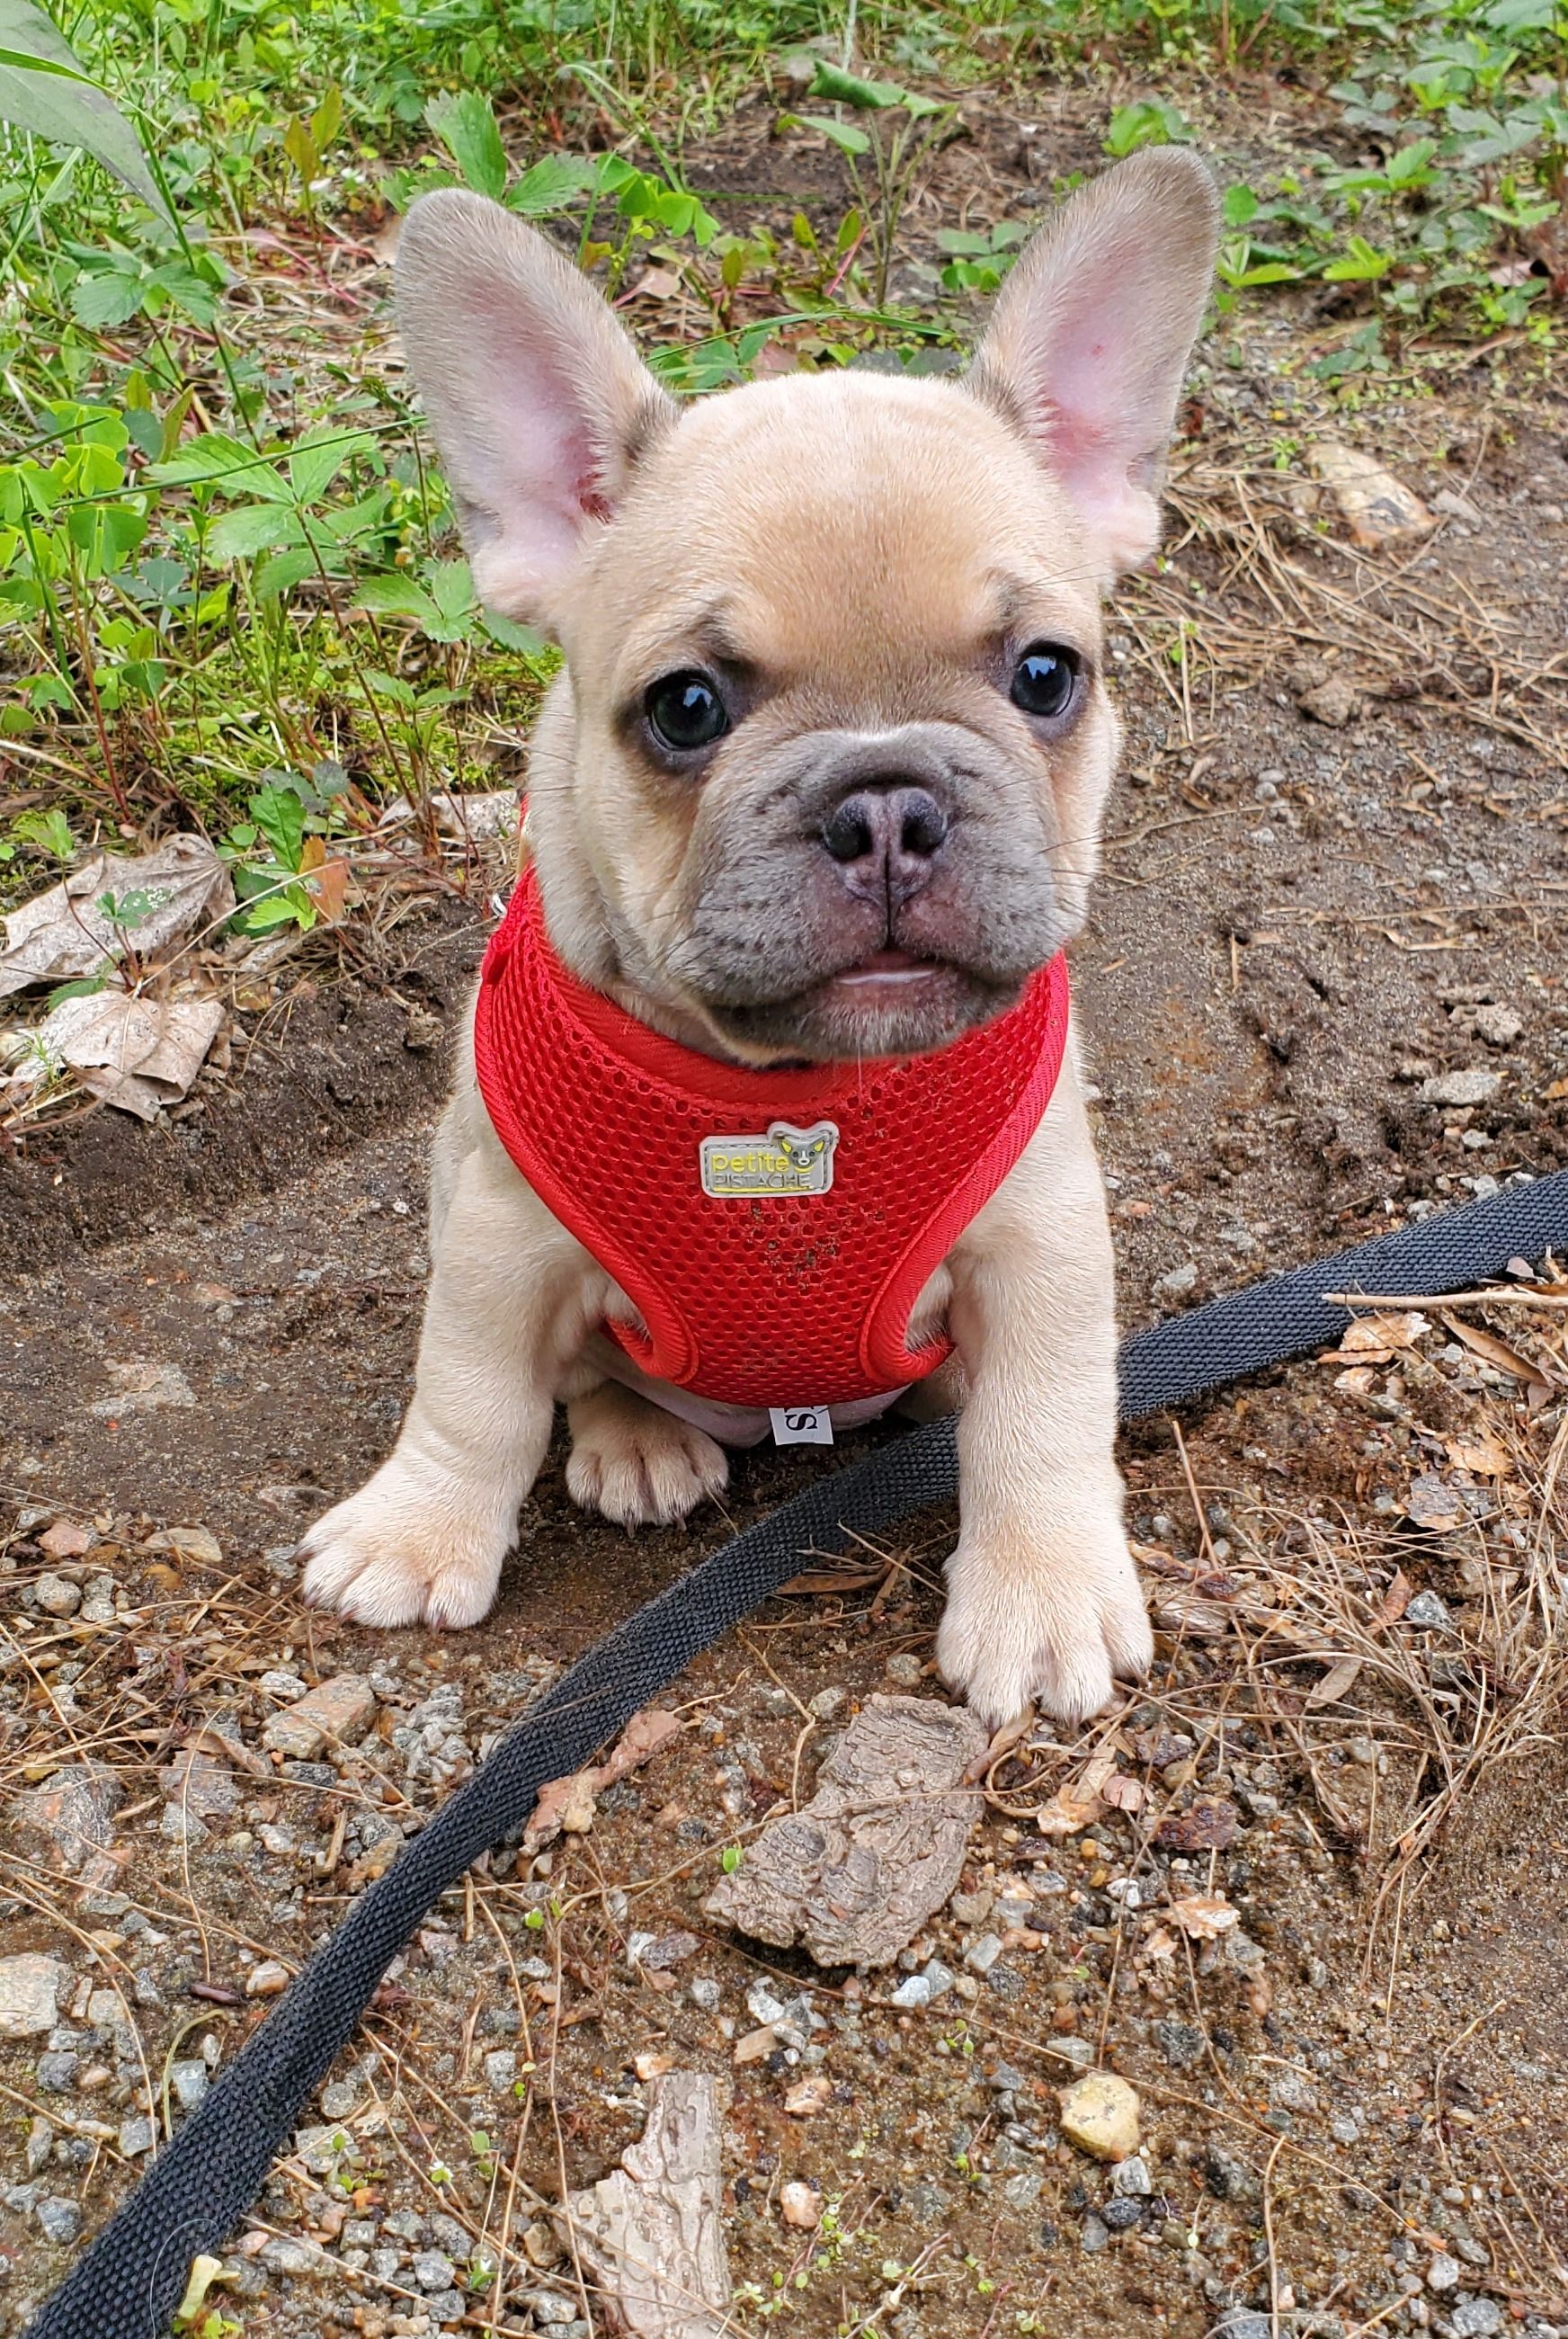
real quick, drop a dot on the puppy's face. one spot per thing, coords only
(826, 776)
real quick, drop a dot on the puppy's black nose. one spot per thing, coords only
(885, 837)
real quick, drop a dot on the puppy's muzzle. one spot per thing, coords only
(885, 834)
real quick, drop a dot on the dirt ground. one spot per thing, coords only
(1354, 2108)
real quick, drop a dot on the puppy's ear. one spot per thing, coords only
(538, 402)
(1089, 338)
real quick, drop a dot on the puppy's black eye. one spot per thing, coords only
(684, 712)
(1043, 678)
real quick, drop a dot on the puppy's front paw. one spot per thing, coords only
(406, 1549)
(1022, 1628)
(638, 1465)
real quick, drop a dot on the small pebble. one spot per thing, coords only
(800, 2205)
(1099, 2114)
(1429, 1614)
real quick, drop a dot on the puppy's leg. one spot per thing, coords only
(1043, 1599)
(638, 1464)
(424, 1539)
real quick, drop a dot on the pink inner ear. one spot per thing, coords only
(1089, 399)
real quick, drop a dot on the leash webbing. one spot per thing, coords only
(128, 2282)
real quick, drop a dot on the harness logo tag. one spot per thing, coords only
(784, 1160)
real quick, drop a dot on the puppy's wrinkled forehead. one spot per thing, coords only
(839, 529)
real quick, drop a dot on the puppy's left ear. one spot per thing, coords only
(1090, 339)
(537, 399)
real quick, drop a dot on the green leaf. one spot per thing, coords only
(466, 125)
(280, 813)
(1241, 205)
(319, 458)
(249, 528)
(214, 459)
(283, 572)
(43, 89)
(553, 182)
(452, 590)
(1361, 264)
(50, 830)
(848, 89)
(86, 986)
(398, 597)
(104, 296)
(853, 142)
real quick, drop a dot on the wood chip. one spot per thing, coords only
(853, 1876)
(650, 2235)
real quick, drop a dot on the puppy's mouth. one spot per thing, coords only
(892, 1003)
(888, 969)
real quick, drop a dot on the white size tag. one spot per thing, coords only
(801, 1425)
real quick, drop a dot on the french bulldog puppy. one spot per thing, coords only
(886, 593)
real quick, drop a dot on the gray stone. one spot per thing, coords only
(57, 1596)
(1096, 2233)
(1131, 2177)
(284, 2255)
(913, 1991)
(549, 2306)
(1443, 2273)
(704, 1994)
(137, 2135)
(61, 2220)
(940, 1978)
(981, 1955)
(1179, 2043)
(433, 2270)
(189, 2081)
(1228, 2179)
(57, 2073)
(1294, 2090)
(1476, 2318)
(1498, 1026)
(1478, 1086)
(1023, 2191)
(30, 1992)
(501, 2070)
(1429, 1612)
(1120, 2214)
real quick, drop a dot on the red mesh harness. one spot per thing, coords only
(773, 1230)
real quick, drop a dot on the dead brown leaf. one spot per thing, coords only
(1203, 1916)
(1210, 1824)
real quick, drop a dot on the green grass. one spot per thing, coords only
(225, 561)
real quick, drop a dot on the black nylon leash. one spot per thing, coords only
(131, 2277)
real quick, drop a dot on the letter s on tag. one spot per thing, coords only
(801, 1425)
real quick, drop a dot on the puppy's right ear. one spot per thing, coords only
(538, 402)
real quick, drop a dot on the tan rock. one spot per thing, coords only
(800, 2205)
(337, 1714)
(1099, 2114)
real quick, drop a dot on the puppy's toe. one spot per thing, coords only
(1058, 1638)
(397, 1553)
(637, 1464)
